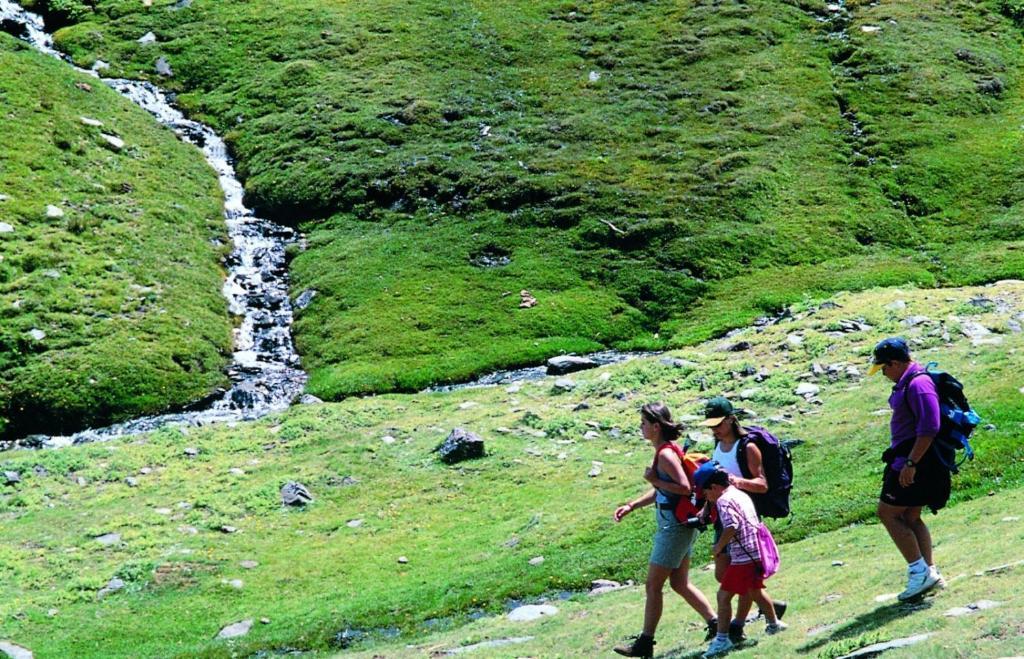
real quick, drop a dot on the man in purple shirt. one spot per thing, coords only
(914, 476)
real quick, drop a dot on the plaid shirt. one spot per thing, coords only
(736, 511)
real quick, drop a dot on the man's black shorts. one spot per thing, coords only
(930, 487)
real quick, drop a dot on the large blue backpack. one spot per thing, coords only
(778, 471)
(958, 418)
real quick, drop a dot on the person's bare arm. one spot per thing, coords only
(757, 483)
(645, 499)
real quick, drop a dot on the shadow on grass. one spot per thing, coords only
(867, 622)
(694, 653)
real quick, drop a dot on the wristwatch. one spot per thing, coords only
(910, 463)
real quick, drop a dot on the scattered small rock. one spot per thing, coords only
(87, 121)
(6, 228)
(483, 645)
(896, 305)
(878, 648)
(530, 612)
(191, 451)
(807, 389)
(536, 560)
(164, 69)
(131, 481)
(595, 469)
(739, 347)
(113, 141)
(594, 76)
(11, 477)
(914, 321)
(870, 29)
(460, 445)
(602, 586)
(388, 439)
(309, 399)
(147, 39)
(581, 406)
(249, 565)
(295, 494)
(305, 297)
(565, 384)
(15, 651)
(228, 529)
(53, 212)
(108, 539)
(403, 560)
(526, 299)
(112, 586)
(236, 629)
(973, 607)
(838, 563)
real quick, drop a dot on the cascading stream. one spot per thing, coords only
(265, 371)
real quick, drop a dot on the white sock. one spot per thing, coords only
(918, 566)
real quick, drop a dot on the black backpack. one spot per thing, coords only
(958, 419)
(778, 471)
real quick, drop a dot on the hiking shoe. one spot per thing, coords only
(712, 630)
(939, 581)
(718, 647)
(736, 634)
(642, 646)
(918, 583)
(779, 626)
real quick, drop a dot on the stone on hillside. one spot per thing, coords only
(53, 212)
(460, 445)
(593, 76)
(879, 648)
(3, 197)
(131, 481)
(305, 297)
(678, 363)
(838, 563)
(591, 434)
(14, 651)
(485, 645)
(974, 330)
(309, 399)
(236, 629)
(526, 299)
(602, 586)
(973, 607)
(403, 560)
(896, 305)
(747, 394)
(569, 364)
(100, 65)
(112, 586)
(228, 529)
(295, 494)
(739, 347)
(113, 141)
(579, 407)
(914, 321)
(794, 340)
(807, 389)
(870, 29)
(182, 4)
(11, 477)
(249, 565)
(853, 373)
(564, 384)
(108, 539)
(817, 369)
(6, 228)
(595, 469)
(163, 68)
(191, 451)
(147, 39)
(536, 560)
(87, 121)
(530, 612)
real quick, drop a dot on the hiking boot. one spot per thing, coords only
(918, 583)
(718, 647)
(736, 634)
(939, 581)
(779, 626)
(642, 646)
(712, 630)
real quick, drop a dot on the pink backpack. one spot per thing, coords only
(769, 551)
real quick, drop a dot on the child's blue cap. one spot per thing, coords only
(703, 473)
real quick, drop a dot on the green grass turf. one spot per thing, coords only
(470, 530)
(405, 138)
(126, 284)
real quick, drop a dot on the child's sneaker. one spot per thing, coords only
(718, 647)
(736, 634)
(712, 630)
(939, 581)
(776, 628)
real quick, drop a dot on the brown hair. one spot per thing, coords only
(660, 414)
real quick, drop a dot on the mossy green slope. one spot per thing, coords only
(631, 158)
(468, 531)
(124, 285)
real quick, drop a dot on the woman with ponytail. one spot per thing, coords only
(673, 540)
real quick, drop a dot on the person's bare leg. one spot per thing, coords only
(767, 605)
(680, 582)
(724, 610)
(894, 520)
(721, 565)
(656, 577)
(921, 533)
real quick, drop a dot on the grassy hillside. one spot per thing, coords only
(110, 303)
(469, 531)
(655, 171)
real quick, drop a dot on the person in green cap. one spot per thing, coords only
(741, 459)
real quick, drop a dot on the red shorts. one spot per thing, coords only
(742, 578)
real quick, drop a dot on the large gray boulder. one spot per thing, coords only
(295, 494)
(460, 445)
(569, 364)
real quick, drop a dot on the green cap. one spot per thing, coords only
(716, 410)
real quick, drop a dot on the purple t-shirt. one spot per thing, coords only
(914, 413)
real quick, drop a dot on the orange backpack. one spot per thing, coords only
(687, 506)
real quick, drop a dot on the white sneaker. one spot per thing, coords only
(776, 628)
(939, 581)
(718, 647)
(918, 583)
